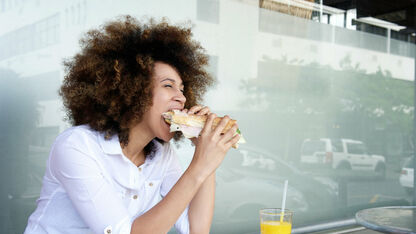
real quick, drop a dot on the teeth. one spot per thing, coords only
(166, 115)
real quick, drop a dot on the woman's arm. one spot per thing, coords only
(209, 153)
(201, 208)
(163, 215)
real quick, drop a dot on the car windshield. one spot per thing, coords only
(310, 147)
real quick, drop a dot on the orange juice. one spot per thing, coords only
(275, 227)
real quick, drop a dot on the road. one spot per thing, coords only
(358, 188)
(373, 191)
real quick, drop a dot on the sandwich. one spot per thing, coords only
(191, 125)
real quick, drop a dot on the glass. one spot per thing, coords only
(271, 221)
(283, 75)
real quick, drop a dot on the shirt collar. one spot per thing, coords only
(112, 146)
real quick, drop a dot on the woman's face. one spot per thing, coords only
(167, 95)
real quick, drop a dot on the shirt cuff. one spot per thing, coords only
(182, 225)
(123, 227)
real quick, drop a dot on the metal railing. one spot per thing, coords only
(325, 226)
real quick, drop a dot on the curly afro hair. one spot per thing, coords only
(108, 84)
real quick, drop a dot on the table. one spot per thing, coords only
(392, 219)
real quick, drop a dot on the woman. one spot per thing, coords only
(107, 173)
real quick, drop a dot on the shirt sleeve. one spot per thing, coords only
(173, 173)
(92, 195)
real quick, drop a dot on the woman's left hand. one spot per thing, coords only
(197, 110)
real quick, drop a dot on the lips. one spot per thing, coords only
(163, 119)
(172, 109)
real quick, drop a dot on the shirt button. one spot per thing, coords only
(140, 169)
(107, 230)
(135, 197)
(150, 184)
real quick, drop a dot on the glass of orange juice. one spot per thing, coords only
(274, 221)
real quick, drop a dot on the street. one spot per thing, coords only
(373, 191)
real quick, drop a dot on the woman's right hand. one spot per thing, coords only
(212, 146)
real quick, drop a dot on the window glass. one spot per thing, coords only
(409, 163)
(337, 146)
(290, 72)
(208, 10)
(310, 147)
(355, 148)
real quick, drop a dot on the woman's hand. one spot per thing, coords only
(197, 110)
(212, 146)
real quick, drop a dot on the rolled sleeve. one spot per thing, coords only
(90, 192)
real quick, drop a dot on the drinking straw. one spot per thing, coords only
(284, 201)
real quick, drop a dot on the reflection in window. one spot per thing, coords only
(208, 10)
(44, 136)
(311, 147)
(296, 8)
(45, 85)
(213, 66)
(2, 6)
(31, 37)
(355, 148)
(337, 146)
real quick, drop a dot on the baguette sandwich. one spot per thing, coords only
(191, 125)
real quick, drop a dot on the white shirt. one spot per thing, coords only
(91, 187)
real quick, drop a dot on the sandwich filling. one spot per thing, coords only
(190, 125)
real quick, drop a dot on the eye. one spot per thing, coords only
(168, 85)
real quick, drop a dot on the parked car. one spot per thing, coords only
(406, 175)
(251, 178)
(239, 199)
(342, 154)
(256, 171)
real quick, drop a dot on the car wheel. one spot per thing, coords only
(381, 171)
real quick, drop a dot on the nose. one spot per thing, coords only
(179, 97)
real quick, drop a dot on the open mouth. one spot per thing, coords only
(165, 123)
(166, 118)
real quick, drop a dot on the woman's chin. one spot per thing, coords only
(166, 137)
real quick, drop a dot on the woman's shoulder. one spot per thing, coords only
(77, 136)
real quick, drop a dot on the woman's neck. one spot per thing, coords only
(139, 137)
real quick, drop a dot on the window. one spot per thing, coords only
(2, 5)
(213, 66)
(311, 147)
(208, 10)
(31, 37)
(356, 148)
(337, 146)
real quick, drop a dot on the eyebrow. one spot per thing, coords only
(172, 80)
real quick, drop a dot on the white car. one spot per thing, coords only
(344, 154)
(406, 176)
